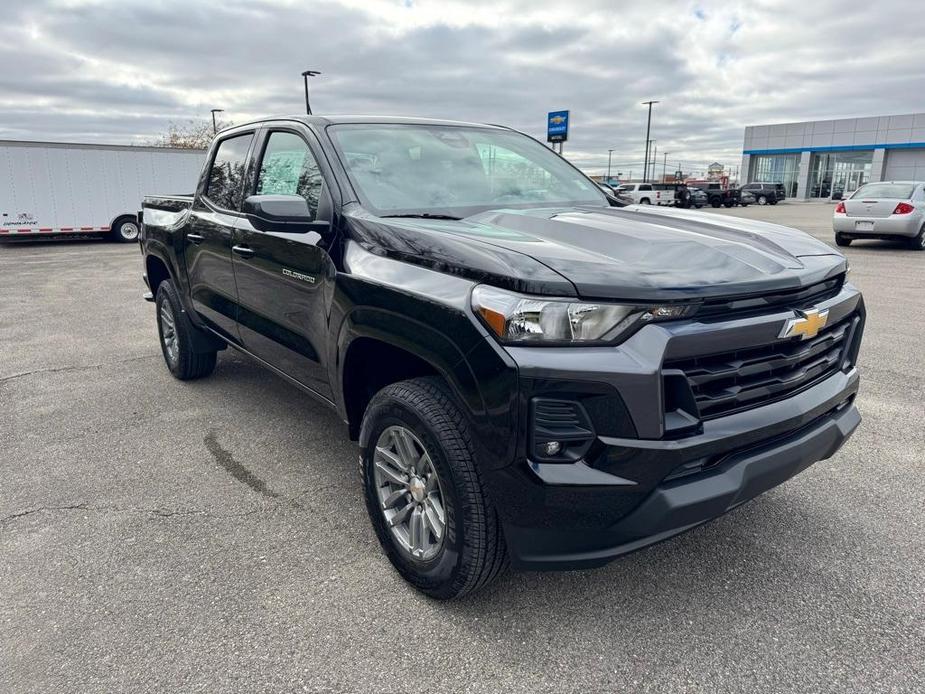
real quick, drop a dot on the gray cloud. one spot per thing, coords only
(120, 71)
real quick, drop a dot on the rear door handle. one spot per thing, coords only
(195, 238)
(243, 251)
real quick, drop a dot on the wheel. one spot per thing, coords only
(423, 492)
(645, 201)
(842, 240)
(698, 205)
(715, 202)
(727, 204)
(762, 200)
(124, 229)
(176, 335)
(917, 242)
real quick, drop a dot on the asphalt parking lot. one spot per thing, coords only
(211, 536)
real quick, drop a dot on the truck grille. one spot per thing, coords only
(742, 379)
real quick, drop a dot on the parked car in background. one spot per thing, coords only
(698, 197)
(766, 193)
(645, 194)
(883, 210)
(609, 190)
(746, 198)
(717, 195)
(59, 189)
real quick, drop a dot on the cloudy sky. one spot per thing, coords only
(120, 71)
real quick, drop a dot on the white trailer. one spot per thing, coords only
(58, 189)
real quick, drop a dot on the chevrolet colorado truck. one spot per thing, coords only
(537, 375)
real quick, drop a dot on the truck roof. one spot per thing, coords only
(325, 120)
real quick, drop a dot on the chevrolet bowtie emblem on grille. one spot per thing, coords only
(806, 325)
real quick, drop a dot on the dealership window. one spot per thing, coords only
(838, 174)
(777, 168)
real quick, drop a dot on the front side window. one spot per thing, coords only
(289, 168)
(226, 177)
(455, 171)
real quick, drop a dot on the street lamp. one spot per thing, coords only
(609, 157)
(305, 76)
(214, 126)
(645, 168)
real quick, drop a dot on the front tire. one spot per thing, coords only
(842, 240)
(124, 230)
(715, 202)
(423, 492)
(176, 336)
(762, 200)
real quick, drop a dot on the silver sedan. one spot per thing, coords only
(883, 210)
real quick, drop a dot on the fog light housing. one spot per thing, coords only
(552, 447)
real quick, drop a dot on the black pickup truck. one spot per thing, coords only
(536, 375)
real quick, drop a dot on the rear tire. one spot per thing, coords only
(124, 230)
(917, 242)
(645, 201)
(471, 551)
(762, 200)
(842, 240)
(176, 337)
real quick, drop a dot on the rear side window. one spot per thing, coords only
(645, 187)
(226, 178)
(289, 168)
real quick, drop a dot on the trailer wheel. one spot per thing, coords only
(124, 230)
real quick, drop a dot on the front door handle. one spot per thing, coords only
(243, 251)
(195, 238)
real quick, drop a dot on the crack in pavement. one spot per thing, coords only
(159, 512)
(86, 367)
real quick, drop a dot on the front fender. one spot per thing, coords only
(425, 313)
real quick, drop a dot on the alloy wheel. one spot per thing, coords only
(409, 492)
(169, 333)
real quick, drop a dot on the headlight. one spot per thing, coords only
(519, 318)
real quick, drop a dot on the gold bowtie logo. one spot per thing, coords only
(806, 325)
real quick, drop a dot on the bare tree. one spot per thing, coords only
(191, 134)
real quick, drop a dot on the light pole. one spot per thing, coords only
(214, 126)
(665, 166)
(654, 157)
(305, 76)
(609, 158)
(645, 168)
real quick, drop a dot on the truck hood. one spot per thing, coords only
(636, 253)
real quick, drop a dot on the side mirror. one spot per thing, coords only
(286, 213)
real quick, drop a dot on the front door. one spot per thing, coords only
(286, 280)
(208, 241)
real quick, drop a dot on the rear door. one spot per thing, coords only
(286, 280)
(209, 232)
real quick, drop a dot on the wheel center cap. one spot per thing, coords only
(416, 487)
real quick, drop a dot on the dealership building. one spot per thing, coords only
(832, 158)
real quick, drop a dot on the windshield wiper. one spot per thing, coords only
(422, 215)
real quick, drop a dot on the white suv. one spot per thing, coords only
(646, 194)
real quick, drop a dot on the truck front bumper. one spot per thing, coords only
(591, 538)
(643, 473)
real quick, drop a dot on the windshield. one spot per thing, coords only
(876, 191)
(455, 171)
